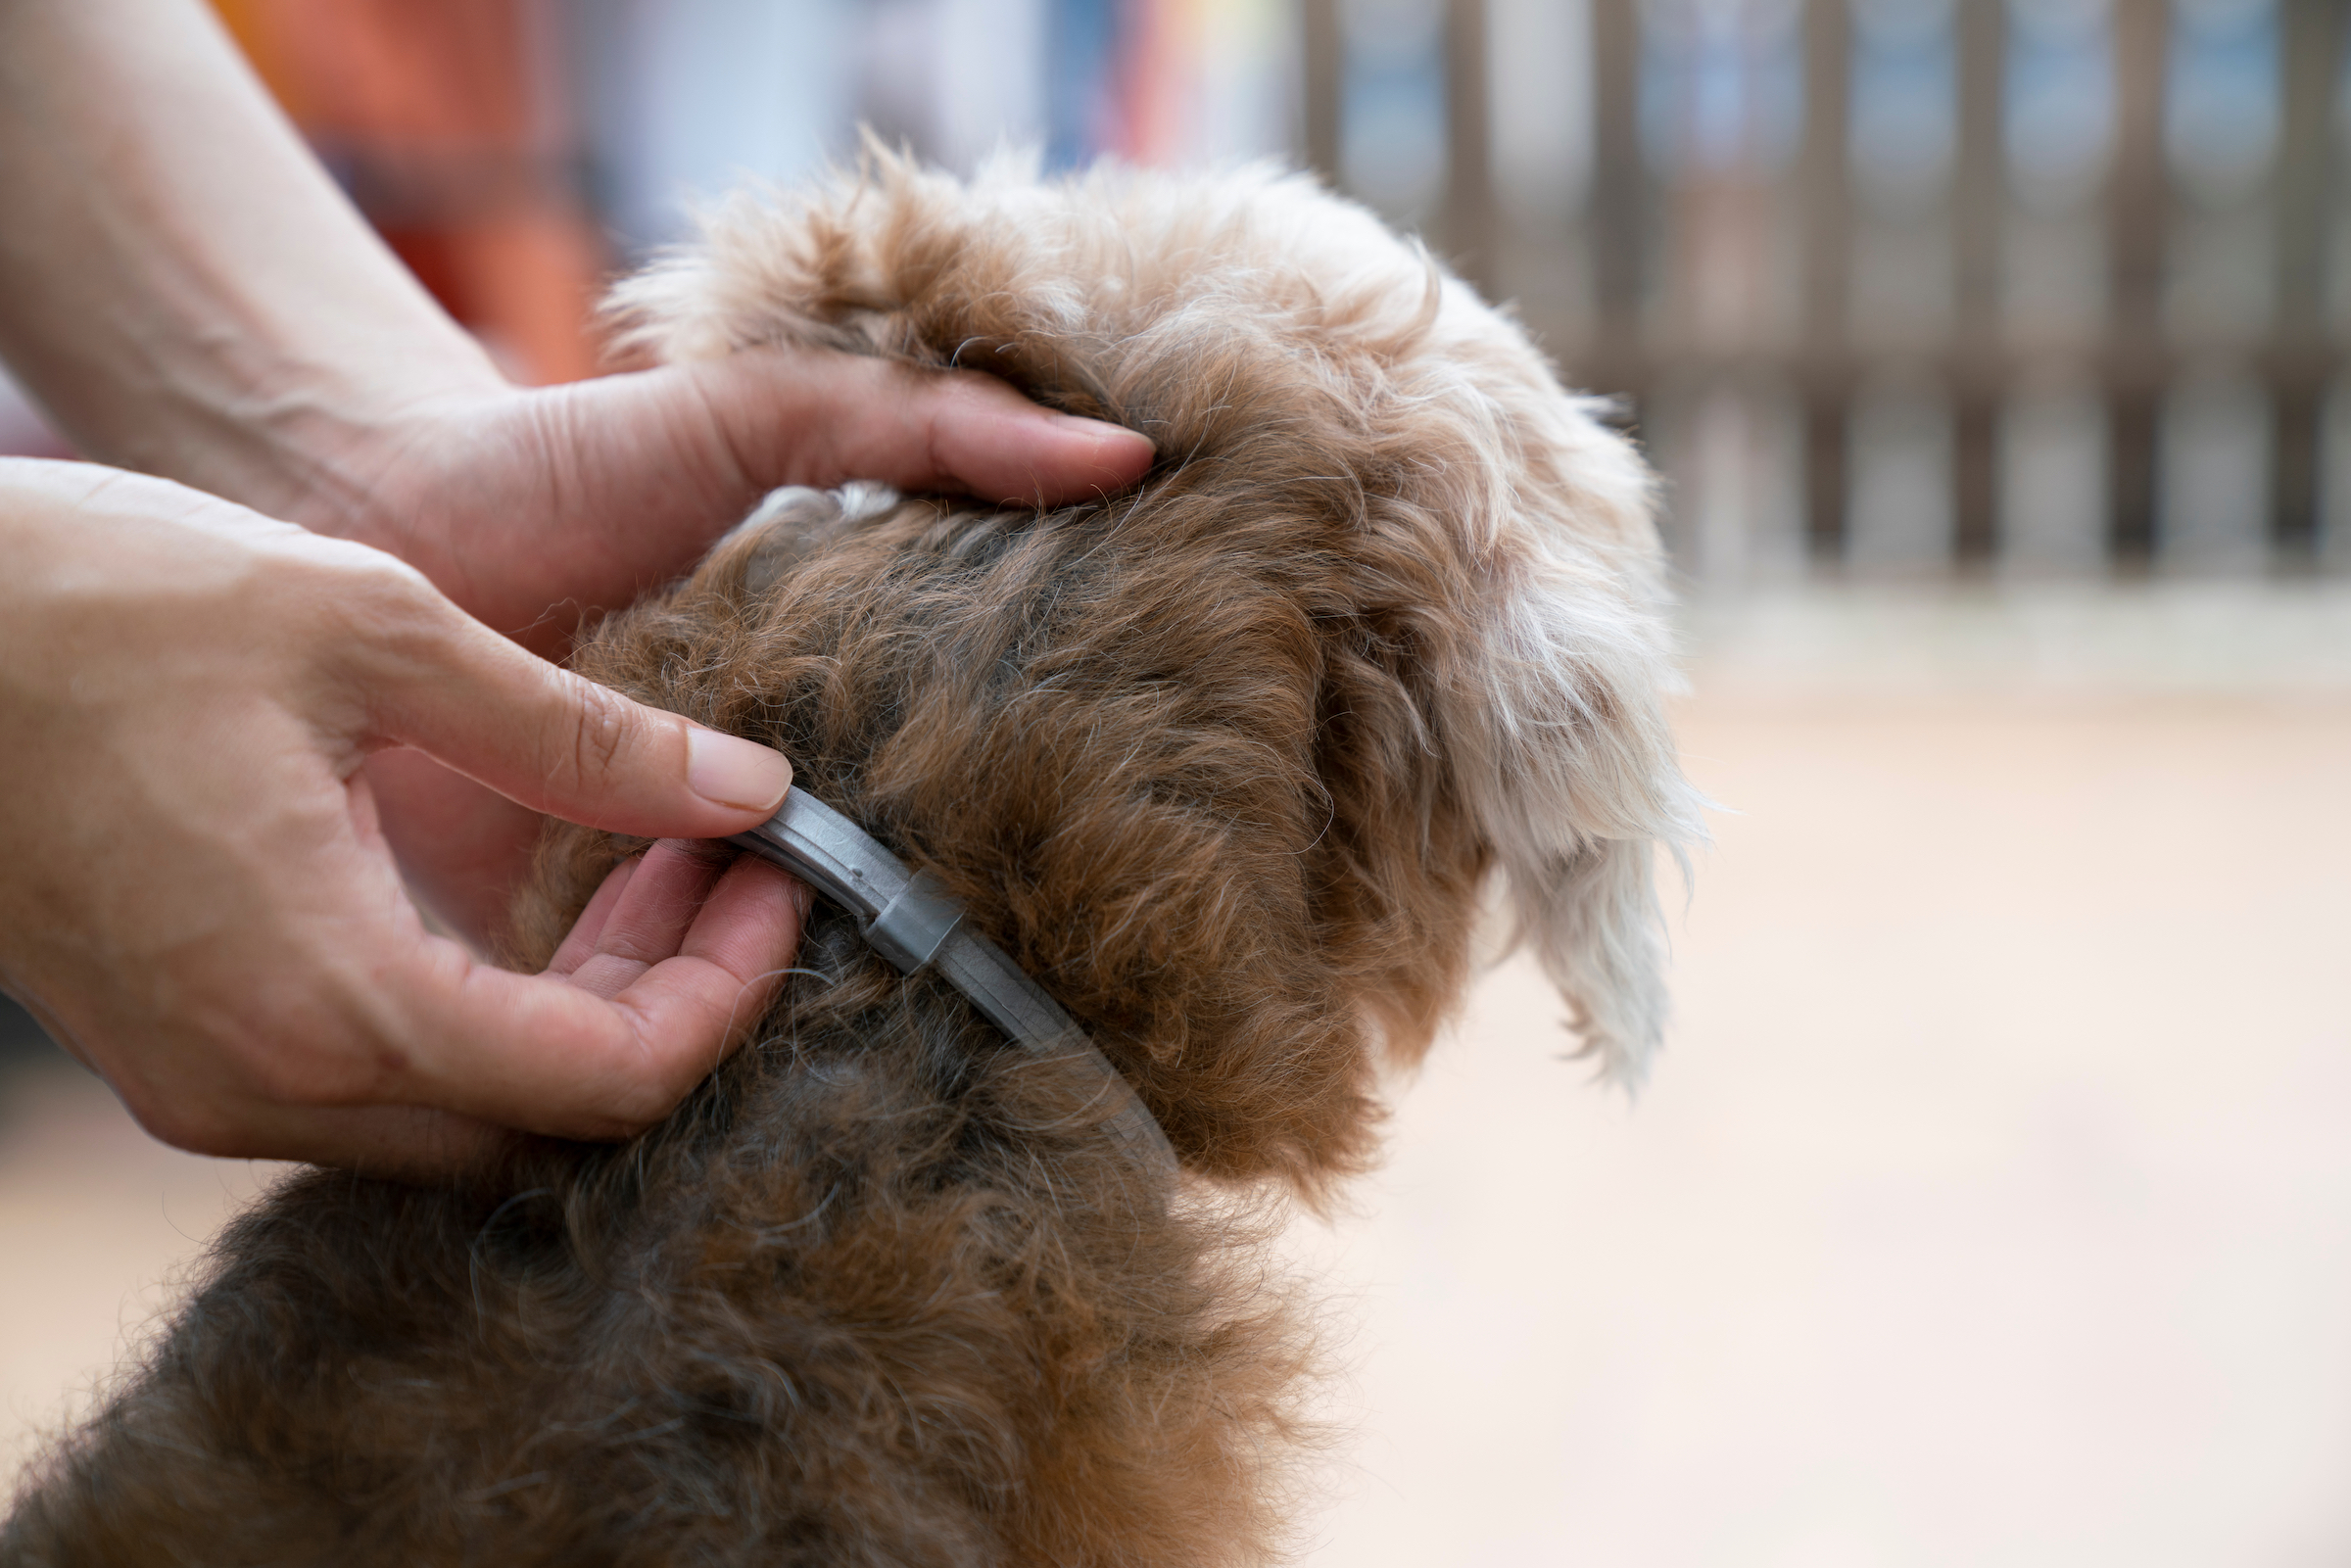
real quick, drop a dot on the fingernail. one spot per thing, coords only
(1102, 430)
(741, 774)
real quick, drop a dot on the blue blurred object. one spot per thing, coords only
(684, 100)
(1082, 60)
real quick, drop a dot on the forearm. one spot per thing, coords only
(189, 294)
(180, 283)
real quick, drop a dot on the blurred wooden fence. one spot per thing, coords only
(1838, 379)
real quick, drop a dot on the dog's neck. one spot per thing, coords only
(909, 919)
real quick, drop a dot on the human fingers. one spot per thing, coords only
(665, 968)
(822, 418)
(649, 908)
(194, 888)
(431, 1077)
(463, 849)
(645, 919)
(686, 960)
(532, 508)
(432, 677)
(578, 943)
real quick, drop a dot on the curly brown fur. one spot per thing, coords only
(1224, 763)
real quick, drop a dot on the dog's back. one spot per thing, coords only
(1224, 763)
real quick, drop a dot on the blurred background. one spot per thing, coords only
(1992, 1202)
(2045, 288)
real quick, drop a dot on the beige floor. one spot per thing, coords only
(1992, 1205)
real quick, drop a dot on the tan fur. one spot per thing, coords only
(1223, 762)
(1322, 373)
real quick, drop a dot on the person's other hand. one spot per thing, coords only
(532, 509)
(197, 899)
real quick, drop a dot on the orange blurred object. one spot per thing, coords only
(447, 122)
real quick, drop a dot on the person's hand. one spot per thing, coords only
(532, 509)
(195, 895)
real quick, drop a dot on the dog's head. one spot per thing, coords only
(1225, 761)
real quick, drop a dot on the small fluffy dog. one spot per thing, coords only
(1223, 762)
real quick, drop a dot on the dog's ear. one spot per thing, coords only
(1552, 712)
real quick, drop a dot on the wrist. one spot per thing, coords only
(345, 457)
(318, 444)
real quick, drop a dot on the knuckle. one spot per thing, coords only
(656, 1081)
(636, 1108)
(337, 573)
(394, 607)
(603, 724)
(378, 616)
(655, 1095)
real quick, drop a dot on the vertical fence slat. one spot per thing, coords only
(1618, 212)
(1322, 66)
(1988, 357)
(1471, 222)
(2301, 360)
(1826, 372)
(2137, 245)
(1978, 201)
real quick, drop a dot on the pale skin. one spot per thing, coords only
(223, 737)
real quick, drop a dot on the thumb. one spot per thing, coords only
(555, 742)
(822, 418)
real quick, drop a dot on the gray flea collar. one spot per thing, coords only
(909, 919)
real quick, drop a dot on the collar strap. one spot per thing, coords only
(909, 919)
